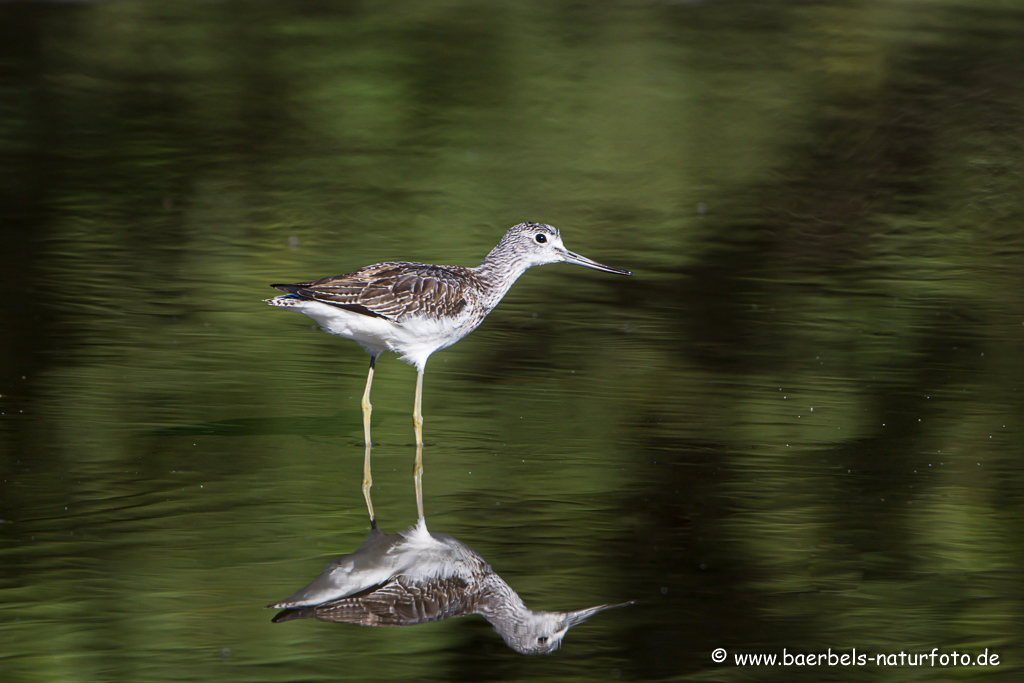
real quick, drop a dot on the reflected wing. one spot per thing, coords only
(399, 602)
(395, 291)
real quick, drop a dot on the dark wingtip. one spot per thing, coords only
(286, 615)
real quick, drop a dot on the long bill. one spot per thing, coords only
(571, 257)
(570, 619)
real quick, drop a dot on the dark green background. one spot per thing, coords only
(798, 426)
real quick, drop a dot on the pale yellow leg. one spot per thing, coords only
(367, 411)
(367, 408)
(417, 421)
(417, 409)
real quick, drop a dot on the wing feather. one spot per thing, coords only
(399, 602)
(396, 291)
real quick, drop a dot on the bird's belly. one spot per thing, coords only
(417, 338)
(414, 338)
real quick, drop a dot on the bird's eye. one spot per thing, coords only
(542, 639)
(541, 238)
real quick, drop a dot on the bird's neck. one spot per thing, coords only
(497, 273)
(497, 602)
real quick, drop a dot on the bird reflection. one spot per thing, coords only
(414, 577)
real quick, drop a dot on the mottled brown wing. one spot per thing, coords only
(396, 603)
(395, 291)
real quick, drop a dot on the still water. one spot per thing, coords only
(797, 429)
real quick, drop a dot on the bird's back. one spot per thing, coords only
(398, 291)
(402, 601)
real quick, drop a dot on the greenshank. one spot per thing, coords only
(415, 577)
(415, 309)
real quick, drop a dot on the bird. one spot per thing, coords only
(415, 577)
(415, 309)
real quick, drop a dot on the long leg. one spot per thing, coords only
(367, 410)
(365, 404)
(417, 408)
(417, 421)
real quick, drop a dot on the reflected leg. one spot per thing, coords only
(417, 421)
(367, 483)
(417, 475)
